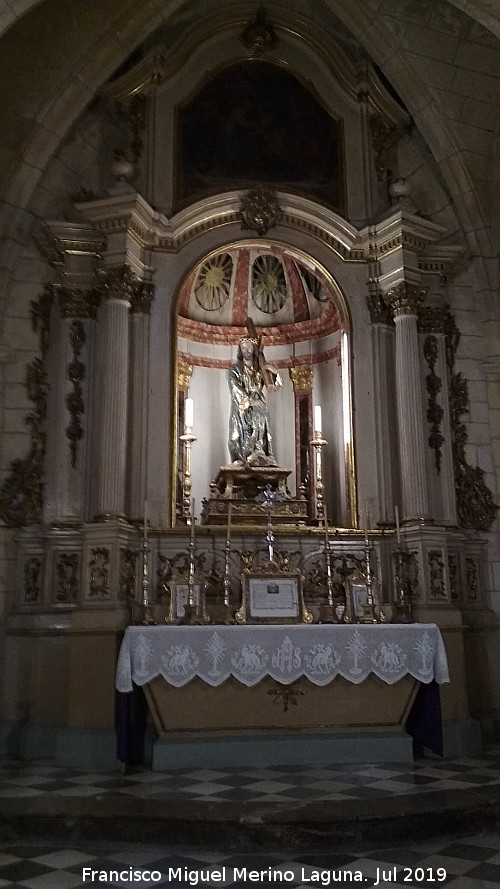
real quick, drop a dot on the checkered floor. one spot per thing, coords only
(272, 784)
(460, 862)
(473, 863)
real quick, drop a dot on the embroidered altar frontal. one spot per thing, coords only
(223, 678)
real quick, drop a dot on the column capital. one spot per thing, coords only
(405, 299)
(379, 309)
(118, 283)
(141, 297)
(301, 378)
(76, 302)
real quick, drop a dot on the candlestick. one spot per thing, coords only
(398, 530)
(145, 520)
(228, 616)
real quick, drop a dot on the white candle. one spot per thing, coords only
(188, 413)
(317, 419)
(145, 520)
(398, 532)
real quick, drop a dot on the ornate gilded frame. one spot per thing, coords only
(287, 608)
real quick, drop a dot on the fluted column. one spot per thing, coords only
(67, 439)
(141, 299)
(382, 331)
(112, 406)
(405, 300)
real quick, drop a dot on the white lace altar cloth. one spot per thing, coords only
(249, 653)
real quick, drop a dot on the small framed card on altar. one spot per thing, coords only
(357, 596)
(272, 597)
(179, 598)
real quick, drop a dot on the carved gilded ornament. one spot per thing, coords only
(184, 374)
(301, 378)
(380, 311)
(22, 491)
(433, 319)
(436, 574)
(381, 134)
(259, 210)
(128, 573)
(405, 299)
(472, 578)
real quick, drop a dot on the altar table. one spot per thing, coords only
(249, 653)
(355, 677)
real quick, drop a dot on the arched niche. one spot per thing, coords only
(300, 312)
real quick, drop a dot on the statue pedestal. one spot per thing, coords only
(239, 486)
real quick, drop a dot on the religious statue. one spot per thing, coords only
(250, 439)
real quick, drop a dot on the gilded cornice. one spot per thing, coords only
(405, 299)
(74, 302)
(301, 377)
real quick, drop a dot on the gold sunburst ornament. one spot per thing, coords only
(213, 282)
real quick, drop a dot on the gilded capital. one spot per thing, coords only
(301, 377)
(118, 283)
(380, 311)
(405, 299)
(75, 302)
(142, 297)
(184, 373)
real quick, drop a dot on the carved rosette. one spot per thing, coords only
(435, 412)
(259, 210)
(67, 577)
(405, 299)
(301, 378)
(99, 573)
(21, 494)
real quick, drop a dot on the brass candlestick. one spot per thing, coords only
(228, 616)
(147, 609)
(369, 615)
(327, 611)
(194, 612)
(318, 444)
(187, 441)
(402, 606)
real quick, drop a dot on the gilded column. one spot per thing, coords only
(112, 406)
(405, 300)
(67, 438)
(382, 333)
(141, 298)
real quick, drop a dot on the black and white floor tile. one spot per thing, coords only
(458, 862)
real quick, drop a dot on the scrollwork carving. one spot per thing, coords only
(436, 573)
(74, 399)
(32, 580)
(21, 493)
(67, 577)
(128, 574)
(435, 412)
(99, 573)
